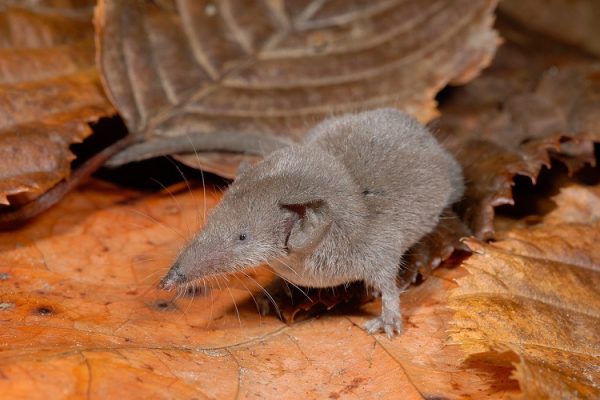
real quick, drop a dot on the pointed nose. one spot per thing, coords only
(173, 278)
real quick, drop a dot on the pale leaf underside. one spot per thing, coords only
(536, 293)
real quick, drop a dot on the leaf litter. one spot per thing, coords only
(88, 320)
(538, 102)
(535, 293)
(49, 93)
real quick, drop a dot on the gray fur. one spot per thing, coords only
(343, 206)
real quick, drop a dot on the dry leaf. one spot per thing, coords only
(548, 16)
(49, 93)
(435, 248)
(515, 117)
(535, 293)
(80, 316)
(435, 367)
(536, 102)
(242, 77)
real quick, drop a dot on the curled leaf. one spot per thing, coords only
(530, 106)
(233, 76)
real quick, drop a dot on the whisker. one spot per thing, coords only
(152, 275)
(177, 203)
(216, 277)
(251, 295)
(286, 265)
(182, 289)
(187, 183)
(177, 293)
(234, 305)
(203, 194)
(151, 218)
(187, 292)
(290, 282)
(271, 299)
(212, 303)
(201, 174)
(145, 292)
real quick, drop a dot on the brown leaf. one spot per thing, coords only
(297, 304)
(580, 28)
(80, 316)
(49, 93)
(536, 102)
(435, 247)
(535, 293)
(241, 77)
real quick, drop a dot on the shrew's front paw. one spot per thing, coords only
(389, 324)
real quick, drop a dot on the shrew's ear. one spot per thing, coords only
(312, 221)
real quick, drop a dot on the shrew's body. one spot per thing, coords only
(343, 206)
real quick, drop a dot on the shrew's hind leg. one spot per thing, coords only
(390, 320)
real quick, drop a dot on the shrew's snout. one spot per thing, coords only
(173, 278)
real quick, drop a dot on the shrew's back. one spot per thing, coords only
(397, 163)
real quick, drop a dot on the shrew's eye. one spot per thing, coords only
(242, 236)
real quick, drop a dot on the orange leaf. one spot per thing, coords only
(80, 316)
